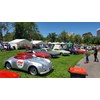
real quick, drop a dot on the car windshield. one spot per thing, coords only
(48, 49)
(61, 49)
(37, 50)
(57, 49)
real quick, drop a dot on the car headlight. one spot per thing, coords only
(43, 66)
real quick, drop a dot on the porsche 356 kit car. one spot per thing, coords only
(26, 62)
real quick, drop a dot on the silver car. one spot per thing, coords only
(33, 65)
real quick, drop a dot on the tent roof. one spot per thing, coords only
(17, 40)
(37, 42)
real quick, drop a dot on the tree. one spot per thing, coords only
(8, 36)
(87, 34)
(8, 26)
(77, 39)
(96, 40)
(27, 30)
(64, 36)
(71, 38)
(1, 29)
(52, 37)
(40, 37)
(31, 31)
(1, 37)
(19, 30)
(87, 38)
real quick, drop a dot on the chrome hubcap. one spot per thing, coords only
(33, 71)
(8, 66)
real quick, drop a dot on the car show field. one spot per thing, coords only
(60, 65)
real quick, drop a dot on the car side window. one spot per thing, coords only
(42, 50)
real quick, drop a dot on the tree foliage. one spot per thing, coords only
(96, 40)
(89, 34)
(64, 37)
(5, 27)
(87, 38)
(71, 38)
(77, 39)
(8, 37)
(52, 37)
(27, 30)
(1, 30)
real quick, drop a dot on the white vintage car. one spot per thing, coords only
(62, 52)
(59, 49)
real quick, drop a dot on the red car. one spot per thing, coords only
(37, 54)
(42, 54)
(80, 51)
(8, 74)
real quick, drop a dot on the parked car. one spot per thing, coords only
(98, 47)
(89, 47)
(62, 52)
(80, 51)
(72, 51)
(58, 48)
(1, 47)
(8, 74)
(38, 53)
(52, 53)
(26, 62)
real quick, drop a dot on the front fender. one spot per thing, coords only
(37, 65)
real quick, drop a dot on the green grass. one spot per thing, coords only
(60, 65)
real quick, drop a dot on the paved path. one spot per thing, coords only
(93, 68)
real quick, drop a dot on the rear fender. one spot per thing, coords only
(8, 62)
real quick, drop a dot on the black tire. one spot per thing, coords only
(61, 53)
(33, 71)
(8, 66)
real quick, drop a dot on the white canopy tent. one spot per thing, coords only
(20, 43)
(37, 42)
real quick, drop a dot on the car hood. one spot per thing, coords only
(63, 51)
(53, 52)
(41, 53)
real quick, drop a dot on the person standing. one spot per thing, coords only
(87, 55)
(95, 55)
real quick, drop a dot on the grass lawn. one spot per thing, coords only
(60, 64)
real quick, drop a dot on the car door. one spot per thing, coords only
(20, 64)
(43, 50)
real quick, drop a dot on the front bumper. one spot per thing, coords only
(45, 70)
(65, 54)
(54, 56)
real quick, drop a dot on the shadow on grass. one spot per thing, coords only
(47, 73)
(41, 75)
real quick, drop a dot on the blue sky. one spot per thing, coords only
(75, 27)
